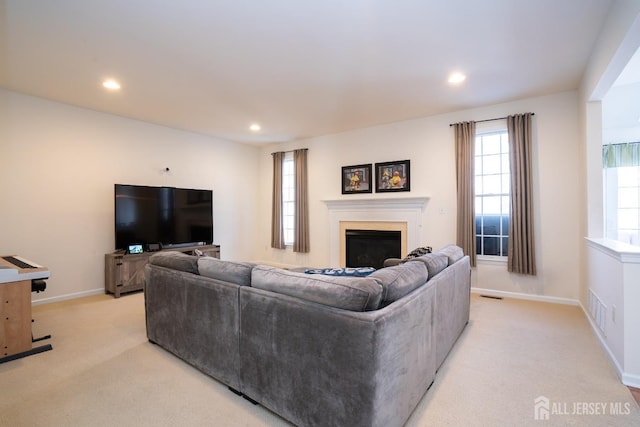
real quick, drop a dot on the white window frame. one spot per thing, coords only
(502, 176)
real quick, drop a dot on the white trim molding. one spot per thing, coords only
(41, 301)
(621, 251)
(392, 203)
(519, 295)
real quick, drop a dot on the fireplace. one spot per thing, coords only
(388, 228)
(369, 248)
(385, 214)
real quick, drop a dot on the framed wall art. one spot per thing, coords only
(356, 179)
(393, 176)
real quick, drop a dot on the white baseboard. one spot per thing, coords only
(629, 380)
(519, 295)
(65, 297)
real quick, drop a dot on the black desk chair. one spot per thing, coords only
(37, 286)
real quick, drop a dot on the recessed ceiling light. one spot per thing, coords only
(111, 84)
(255, 127)
(456, 78)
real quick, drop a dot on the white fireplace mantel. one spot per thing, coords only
(408, 210)
(377, 203)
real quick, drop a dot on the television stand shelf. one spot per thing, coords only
(125, 272)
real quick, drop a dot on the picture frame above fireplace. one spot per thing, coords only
(357, 179)
(393, 176)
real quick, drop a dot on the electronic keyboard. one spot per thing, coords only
(15, 269)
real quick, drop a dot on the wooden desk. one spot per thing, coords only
(15, 309)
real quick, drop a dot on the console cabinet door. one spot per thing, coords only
(124, 273)
(130, 273)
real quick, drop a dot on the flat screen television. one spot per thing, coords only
(162, 216)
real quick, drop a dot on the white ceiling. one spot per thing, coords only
(299, 68)
(621, 105)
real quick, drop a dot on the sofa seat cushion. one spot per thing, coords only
(176, 261)
(434, 262)
(399, 280)
(452, 252)
(349, 293)
(228, 271)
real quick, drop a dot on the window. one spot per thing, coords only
(290, 210)
(621, 178)
(492, 189)
(622, 203)
(288, 198)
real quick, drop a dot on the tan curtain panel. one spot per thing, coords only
(301, 223)
(277, 230)
(521, 252)
(465, 136)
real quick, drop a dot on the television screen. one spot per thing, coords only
(163, 215)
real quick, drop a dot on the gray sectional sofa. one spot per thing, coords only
(315, 349)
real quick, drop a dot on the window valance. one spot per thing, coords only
(621, 155)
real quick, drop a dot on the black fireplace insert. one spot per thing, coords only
(369, 248)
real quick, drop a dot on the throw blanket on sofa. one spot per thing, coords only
(355, 272)
(417, 252)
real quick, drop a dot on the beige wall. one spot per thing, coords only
(58, 165)
(428, 143)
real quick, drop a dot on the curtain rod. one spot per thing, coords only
(290, 151)
(622, 143)
(490, 120)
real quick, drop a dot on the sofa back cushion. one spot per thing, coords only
(175, 260)
(452, 252)
(435, 263)
(349, 293)
(399, 280)
(228, 271)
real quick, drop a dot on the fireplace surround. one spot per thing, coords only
(402, 214)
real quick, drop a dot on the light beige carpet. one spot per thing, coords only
(102, 371)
